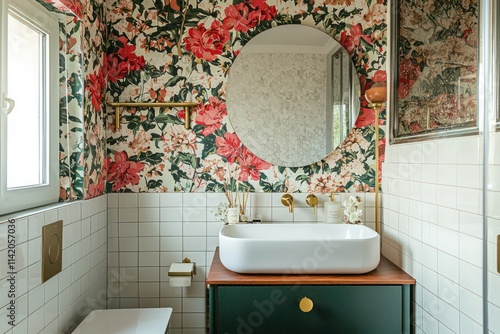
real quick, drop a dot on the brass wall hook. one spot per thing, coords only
(312, 201)
(287, 200)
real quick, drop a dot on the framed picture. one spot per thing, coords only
(434, 66)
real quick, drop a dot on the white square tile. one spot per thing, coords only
(149, 229)
(430, 257)
(128, 259)
(128, 244)
(128, 215)
(470, 151)
(51, 311)
(149, 200)
(430, 173)
(149, 214)
(194, 244)
(170, 244)
(128, 229)
(470, 200)
(430, 281)
(471, 278)
(448, 266)
(149, 244)
(471, 249)
(214, 199)
(36, 298)
(36, 321)
(196, 229)
(149, 259)
(448, 151)
(469, 176)
(447, 196)
(34, 250)
(171, 200)
(171, 214)
(194, 214)
(170, 229)
(448, 218)
(429, 234)
(449, 316)
(429, 152)
(149, 289)
(194, 199)
(429, 193)
(128, 200)
(113, 200)
(448, 241)
(35, 224)
(447, 175)
(449, 291)
(467, 325)
(149, 274)
(471, 305)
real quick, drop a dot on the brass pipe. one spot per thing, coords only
(287, 200)
(376, 107)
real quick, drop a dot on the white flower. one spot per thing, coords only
(220, 212)
(353, 212)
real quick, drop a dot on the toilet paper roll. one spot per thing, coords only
(180, 281)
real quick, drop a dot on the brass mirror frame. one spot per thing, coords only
(393, 99)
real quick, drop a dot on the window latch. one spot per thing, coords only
(9, 104)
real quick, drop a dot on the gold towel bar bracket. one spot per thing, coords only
(187, 107)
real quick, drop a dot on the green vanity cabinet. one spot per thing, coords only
(342, 309)
(372, 303)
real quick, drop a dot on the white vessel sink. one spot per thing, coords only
(299, 248)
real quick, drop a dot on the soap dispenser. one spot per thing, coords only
(333, 212)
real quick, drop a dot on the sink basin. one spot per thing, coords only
(299, 248)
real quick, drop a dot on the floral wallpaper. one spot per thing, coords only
(83, 84)
(438, 65)
(181, 50)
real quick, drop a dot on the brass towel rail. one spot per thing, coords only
(186, 105)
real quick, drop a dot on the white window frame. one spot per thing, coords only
(12, 200)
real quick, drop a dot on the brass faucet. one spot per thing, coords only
(312, 201)
(287, 200)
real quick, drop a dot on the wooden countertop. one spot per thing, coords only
(386, 273)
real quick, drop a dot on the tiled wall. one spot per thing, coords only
(59, 304)
(433, 229)
(149, 231)
(493, 231)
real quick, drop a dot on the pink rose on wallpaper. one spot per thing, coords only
(123, 171)
(124, 61)
(246, 15)
(95, 87)
(211, 115)
(250, 165)
(206, 43)
(353, 39)
(228, 146)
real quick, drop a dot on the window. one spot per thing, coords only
(29, 110)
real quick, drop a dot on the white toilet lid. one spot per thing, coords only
(126, 321)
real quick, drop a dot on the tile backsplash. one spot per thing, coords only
(149, 231)
(433, 229)
(59, 304)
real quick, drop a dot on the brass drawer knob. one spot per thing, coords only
(306, 305)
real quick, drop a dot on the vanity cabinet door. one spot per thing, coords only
(336, 309)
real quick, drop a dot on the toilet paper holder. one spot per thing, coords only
(182, 273)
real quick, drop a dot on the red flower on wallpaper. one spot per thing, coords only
(353, 39)
(211, 115)
(408, 75)
(95, 86)
(124, 61)
(250, 165)
(205, 43)
(228, 146)
(123, 171)
(246, 15)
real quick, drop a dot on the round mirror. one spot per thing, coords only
(292, 95)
